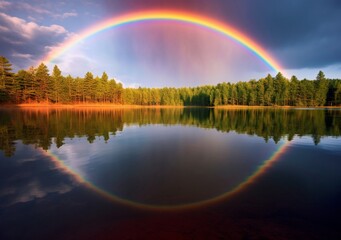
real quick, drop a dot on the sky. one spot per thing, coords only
(302, 36)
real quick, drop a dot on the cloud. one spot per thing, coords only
(305, 33)
(68, 14)
(4, 4)
(300, 33)
(31, 175)
(132, 85)
(20, 55)
(32, 190)
(30, 8)
(19, 38)
(4, 29)
(75, 63)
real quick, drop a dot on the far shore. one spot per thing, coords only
(120, 106)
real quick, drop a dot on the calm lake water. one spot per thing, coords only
(170, 174)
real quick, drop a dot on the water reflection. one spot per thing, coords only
(263, 173)
(42, 127)
(31, 175)
(159, 167)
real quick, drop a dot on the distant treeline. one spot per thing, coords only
(36, 85)
(45, 127)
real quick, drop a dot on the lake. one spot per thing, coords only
(150, 173)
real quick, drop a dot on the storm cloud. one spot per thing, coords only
(301, 34)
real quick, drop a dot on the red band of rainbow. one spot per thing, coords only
(262, 169)
(185, 17)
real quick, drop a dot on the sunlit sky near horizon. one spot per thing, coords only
(303, 36)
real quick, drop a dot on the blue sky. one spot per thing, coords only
(303, 36)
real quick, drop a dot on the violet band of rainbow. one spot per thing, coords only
(261, 170)
(184, 17)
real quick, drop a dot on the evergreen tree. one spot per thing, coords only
(42, 78)
(32, 84)
(5, 72)
(269, 90)
(37, 85)
(102, 88)
(294, 91)
(252, 90)
(6, 79)
(337, 94)
(321, 89)
(70, 89)
(260, 92)
(56, 88)
(88, 87)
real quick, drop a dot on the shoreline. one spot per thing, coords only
(120, 106)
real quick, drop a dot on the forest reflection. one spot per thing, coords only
(43, 127)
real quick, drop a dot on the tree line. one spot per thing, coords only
(42, 127)
(37, 85)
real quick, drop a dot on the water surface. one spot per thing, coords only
(170, 173)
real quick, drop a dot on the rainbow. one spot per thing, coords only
(267, 164)
(162, 15)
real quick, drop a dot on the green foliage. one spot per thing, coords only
(36, 85)
(42, 78)
(6, 79)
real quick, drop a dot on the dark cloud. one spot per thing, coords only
(24, 42)
(303, 33)
(300, 34)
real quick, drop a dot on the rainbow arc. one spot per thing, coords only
(182, 17)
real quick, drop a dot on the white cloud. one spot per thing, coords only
(25, 40)
(33, 175)
(42, 11)
(67, 15)
(75, 63)
(20, 55)
(132, 85)
(33, 189)
(29, 30)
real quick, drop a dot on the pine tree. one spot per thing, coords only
(5, 71)
(269, 90)
(216, 97)
(32, 84)
(321, 89)
(260, 92)
(6, 79)
(293, 91)
(337, 94)
(88, 88)
(70, 89)
(103, 87)
(42, 78)
(56, 88)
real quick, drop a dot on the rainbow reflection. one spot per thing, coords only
(261, 170)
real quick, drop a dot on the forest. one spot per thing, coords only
(37, 85)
